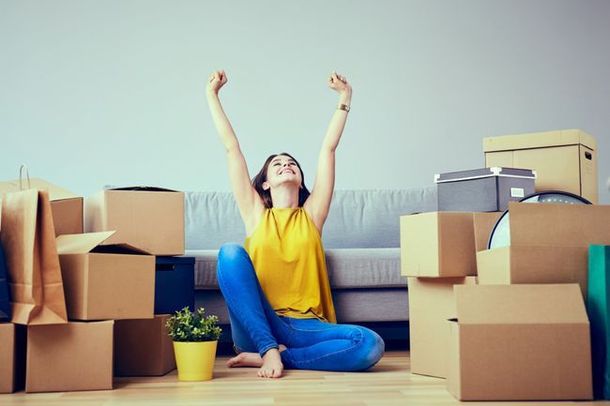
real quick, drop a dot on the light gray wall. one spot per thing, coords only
(112, 92)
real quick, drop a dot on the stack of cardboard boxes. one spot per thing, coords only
(509, 323)
(108, 278)
(153, 220)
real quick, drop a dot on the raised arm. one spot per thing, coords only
(318, 203)
(248, 200)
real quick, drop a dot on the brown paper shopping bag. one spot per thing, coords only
(28, 238)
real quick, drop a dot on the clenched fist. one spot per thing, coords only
(216, 80)
(339, 83)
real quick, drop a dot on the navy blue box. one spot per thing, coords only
(174, 284)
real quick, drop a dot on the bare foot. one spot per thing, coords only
(245, 359)
(272, 364)
(249, 359)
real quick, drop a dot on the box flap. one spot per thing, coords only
(141, 189)
(563, 225)
(81, 243)
(538, 140)
(55, 192)
(520, 304)
(119, 248)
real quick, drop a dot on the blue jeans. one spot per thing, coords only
(311, 343)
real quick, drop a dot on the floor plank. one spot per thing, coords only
(389, 383)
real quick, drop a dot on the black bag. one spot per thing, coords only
(5, 304)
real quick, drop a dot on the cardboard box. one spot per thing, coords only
(69, 357)
(549, 244)
(147, 218)
(12, 357)
(67, 208)
(484, 189)
(563, 160)
(483, 224)
(142, 347)
(105, 282)
(174, 284)
(437, 244)
(431, 304)
(520, 342)
(598, 307)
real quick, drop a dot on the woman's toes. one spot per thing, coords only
(233, 361)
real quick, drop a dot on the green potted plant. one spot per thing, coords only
(195, 338)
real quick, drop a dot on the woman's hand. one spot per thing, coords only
(339, 83)
(216, 81)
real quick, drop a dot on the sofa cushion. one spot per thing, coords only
(210, 220)
(351, 305)
(348, 268)
(357, 218)
(364, 268)
(371, 218)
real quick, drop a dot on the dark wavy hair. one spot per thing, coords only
(261, 177)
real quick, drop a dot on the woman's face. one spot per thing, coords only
(282, 169)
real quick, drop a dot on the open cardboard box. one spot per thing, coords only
(67, 208)
(437, 244)
(483, 224)
(431, 303)
(548, 244)
(105, 282)
(145, 217)
(520, 342)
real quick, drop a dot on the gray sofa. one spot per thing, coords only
(361, 239)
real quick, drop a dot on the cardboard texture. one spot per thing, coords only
(437, 244)
(483, 224)
(520, 342)
(174, 284)
(563, 160)
(12, 357)
(431, 304)
(67, 207)
(151, 219)
(28, 238)
(69, 357)
(598, 307)
(549, 244)
(142, 347)
(533, 264)
(105, 282)
(7, 357)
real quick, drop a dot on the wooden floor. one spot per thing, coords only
(389, 383)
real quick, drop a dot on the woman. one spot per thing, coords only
(277, 288)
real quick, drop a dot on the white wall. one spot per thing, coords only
(112, 92)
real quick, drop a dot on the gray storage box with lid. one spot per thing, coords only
(484, 189)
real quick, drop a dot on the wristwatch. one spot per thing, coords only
(343, 107)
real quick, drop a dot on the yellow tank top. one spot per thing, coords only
(289, 261)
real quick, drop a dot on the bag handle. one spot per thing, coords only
(23, 168)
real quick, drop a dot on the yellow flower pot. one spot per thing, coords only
(195, 361)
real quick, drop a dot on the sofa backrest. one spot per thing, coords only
(357, 218)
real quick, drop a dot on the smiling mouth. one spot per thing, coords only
(286, 171)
